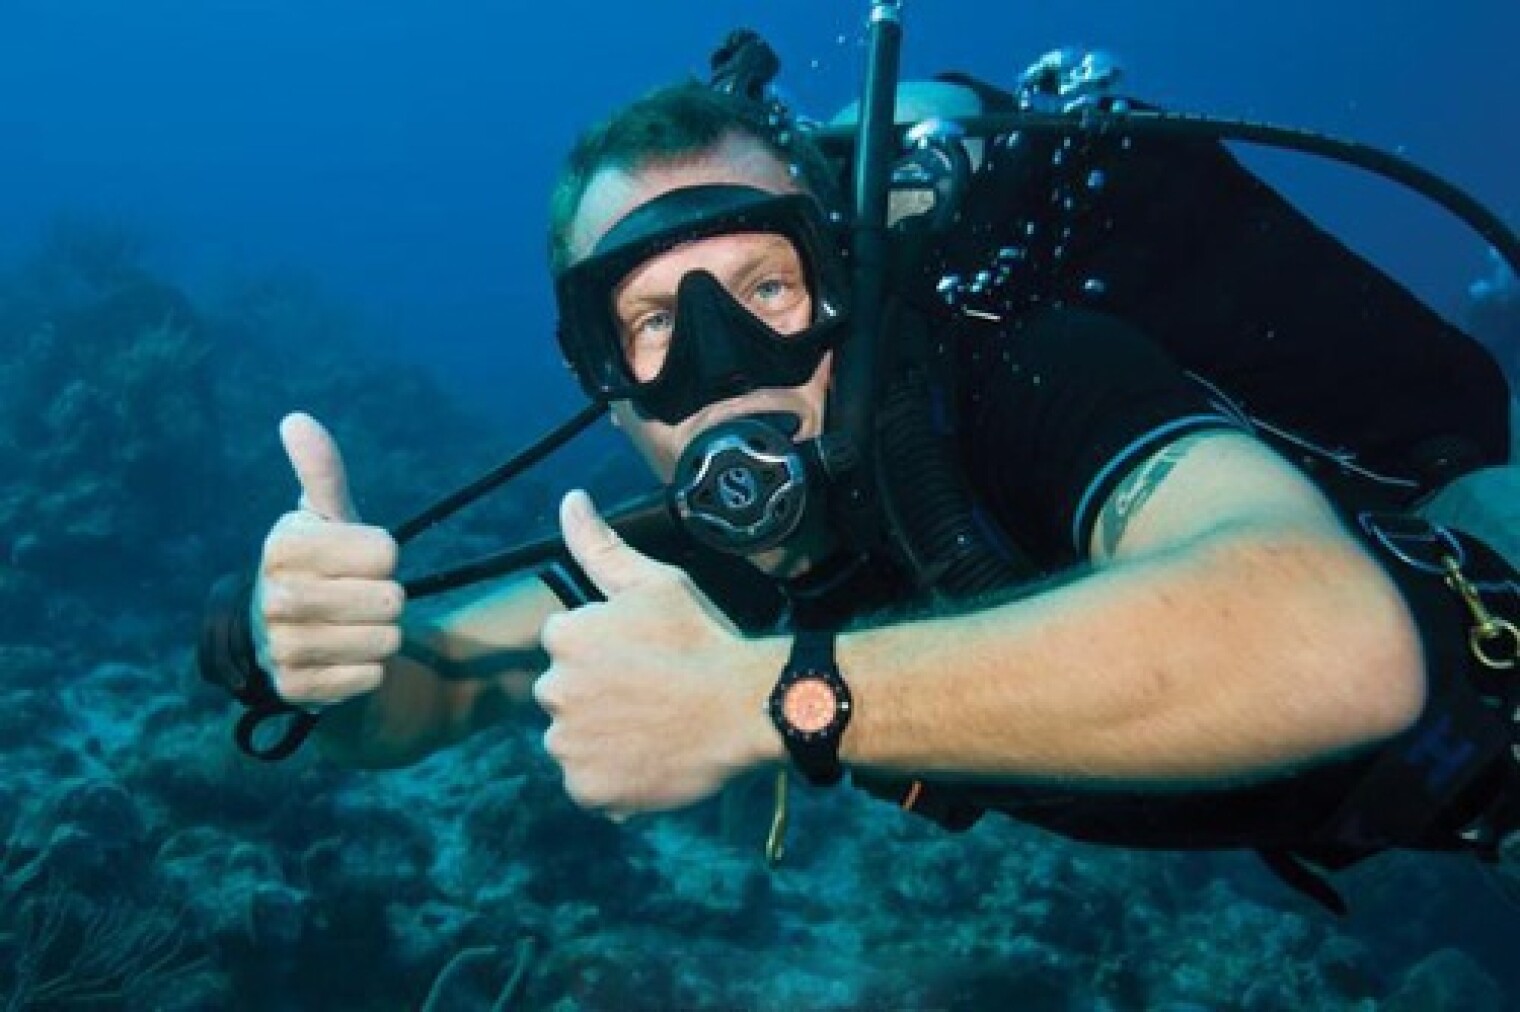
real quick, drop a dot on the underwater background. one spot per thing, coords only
(214, 212)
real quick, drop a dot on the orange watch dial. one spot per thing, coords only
(809, 705)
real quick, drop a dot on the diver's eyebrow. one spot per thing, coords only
(631, 303)
(769, 261)
(775, 255)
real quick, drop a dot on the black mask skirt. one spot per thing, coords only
(718, 349)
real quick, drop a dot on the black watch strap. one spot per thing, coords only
(813, 649)
(812, 672)
(226, 658)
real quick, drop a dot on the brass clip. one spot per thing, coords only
(1489, 635)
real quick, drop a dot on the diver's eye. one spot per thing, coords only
(770, 290)
(646, 341)
(776, 294)
(659, 321)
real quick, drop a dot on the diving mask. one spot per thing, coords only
(717, 348)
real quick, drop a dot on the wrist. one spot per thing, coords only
(810, 707)
(760, 745)
(226, 656)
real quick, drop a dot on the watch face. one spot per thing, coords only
(809, 705)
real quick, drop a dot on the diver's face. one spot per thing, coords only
(760, 270)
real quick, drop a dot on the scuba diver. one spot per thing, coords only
(1117, 529)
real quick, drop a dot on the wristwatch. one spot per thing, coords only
(810, 707)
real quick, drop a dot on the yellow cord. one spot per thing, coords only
(775, 842)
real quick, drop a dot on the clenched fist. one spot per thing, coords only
(326, 604)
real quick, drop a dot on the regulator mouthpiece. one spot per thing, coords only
(742, 486)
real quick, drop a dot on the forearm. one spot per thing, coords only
(468, 670)
(1309, 652)
(414, 713)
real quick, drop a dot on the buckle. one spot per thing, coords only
(1414, 541)
(1494, 641)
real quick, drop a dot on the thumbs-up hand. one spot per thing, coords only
(655, 700)
(326, 604)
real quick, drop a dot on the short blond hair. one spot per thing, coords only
(667, 125)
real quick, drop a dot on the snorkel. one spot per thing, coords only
(845, 461)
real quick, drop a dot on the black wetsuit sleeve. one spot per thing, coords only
(1059, 407)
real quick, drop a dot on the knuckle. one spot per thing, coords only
(582, 794)
(352, 680)
(387, 641)
(295, 687)
(381, 550)
(369, 677)
(546, 695)
(276, 551)
(552, 634)
(276, 601)
(281, 651)
(392, 600)
(292, 544)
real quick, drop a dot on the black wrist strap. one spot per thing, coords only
(225, 657)
(816, 758)
(812, 648)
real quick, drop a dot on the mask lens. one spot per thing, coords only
(764, 273)
(700, 292)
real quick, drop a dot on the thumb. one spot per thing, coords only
(319, 468)
(601, 552)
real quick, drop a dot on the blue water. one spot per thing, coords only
(401, 153)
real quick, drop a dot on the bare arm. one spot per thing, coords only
(470, 668)
(1230, 630)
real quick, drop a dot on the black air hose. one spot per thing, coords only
(931, 503)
